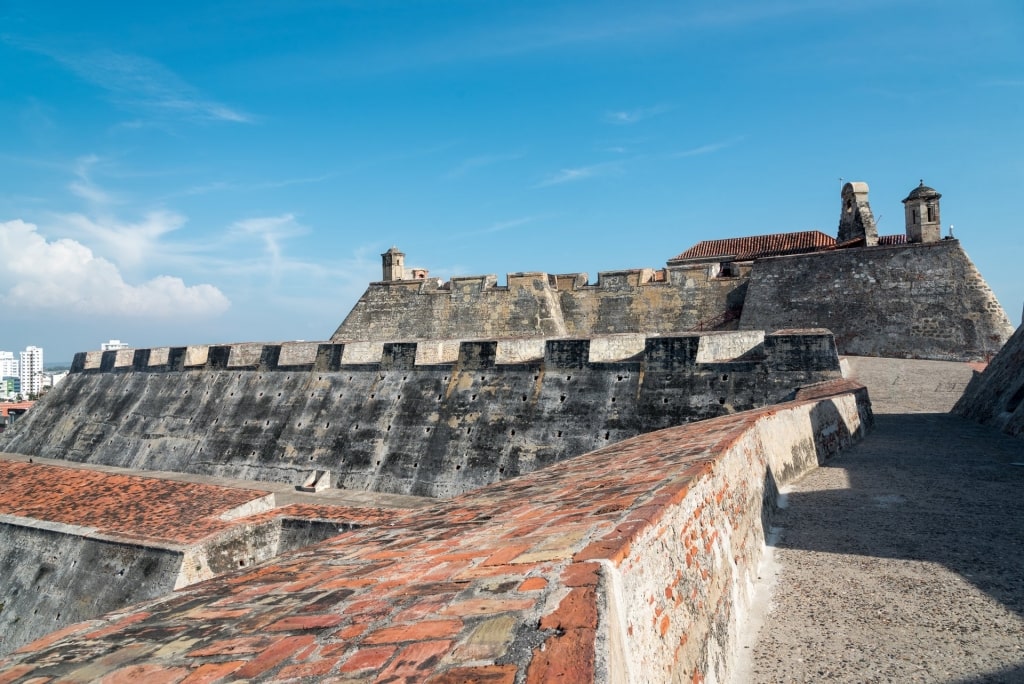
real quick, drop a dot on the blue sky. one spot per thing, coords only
(196, 172)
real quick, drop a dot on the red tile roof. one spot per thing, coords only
(145, 508)
(900, 239)
(757, 246)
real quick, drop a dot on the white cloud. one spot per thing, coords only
(632, 116)
(65, 276)
(579, 173)
(474, 163)
(140, 82)
(708, 149)
(129, 244)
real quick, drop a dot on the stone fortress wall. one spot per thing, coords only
(995, 397)
(925, 301)
(909, 296)
(277, 412)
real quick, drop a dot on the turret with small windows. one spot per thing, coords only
(393, 262)
(922, 214)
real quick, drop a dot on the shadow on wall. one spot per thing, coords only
(926, 487)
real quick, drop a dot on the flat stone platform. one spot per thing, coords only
(901, 561)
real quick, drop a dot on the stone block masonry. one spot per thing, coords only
(629, 564)
(924, 301)
(995, 397)
(277, 412)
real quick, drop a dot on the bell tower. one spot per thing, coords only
(922, 211)
(856, 220)
(393, 263)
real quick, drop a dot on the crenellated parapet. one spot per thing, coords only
(433, 418)
(782, 350)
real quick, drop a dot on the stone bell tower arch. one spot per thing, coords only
(856, 220)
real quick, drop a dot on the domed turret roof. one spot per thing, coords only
(922, 191)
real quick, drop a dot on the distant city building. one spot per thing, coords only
(9, 387)
(113, 345)
(31, 371)
(53, 379)
(8, 365)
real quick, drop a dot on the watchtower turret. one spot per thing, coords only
(922, 211)
(393, 264)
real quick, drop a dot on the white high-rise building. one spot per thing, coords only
(8, 365)
(8, 369)
(113, 345)
(31, 371)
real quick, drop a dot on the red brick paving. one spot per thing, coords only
(395, 601)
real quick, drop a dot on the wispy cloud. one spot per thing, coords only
(84, 187)
(138, 82)
(499, 226)
(474, 163)
(271, 231)
(632, 116)
(66, 276)
(580, 173)
(709, 148)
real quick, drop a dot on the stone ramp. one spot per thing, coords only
(901, 561)
(910, 385)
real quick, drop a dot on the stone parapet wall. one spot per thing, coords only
(393, 425)
(924, 301)
(629, 564)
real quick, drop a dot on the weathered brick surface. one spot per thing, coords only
(671, 491)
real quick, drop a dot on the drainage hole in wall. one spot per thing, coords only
(428, 430)
(389, 428)
(721, 400)
(278, 394)
(613, 400)
(501, 469)
(473, 398)
(372, 396)
(561, 398)
(300, 424)
(403, 378)
(458, 467)
(524, 397)
(606, 435)
(664, 400)
(568, 378)
(469, 430)
(559, 433)
(724, 378)
(512, 433)
(378, 462)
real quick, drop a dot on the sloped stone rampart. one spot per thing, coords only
(995, 396)
(628, 564)
(395, 426)
(924, 301)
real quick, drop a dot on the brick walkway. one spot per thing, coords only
(901, 561)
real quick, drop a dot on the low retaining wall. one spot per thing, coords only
(631, 564)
